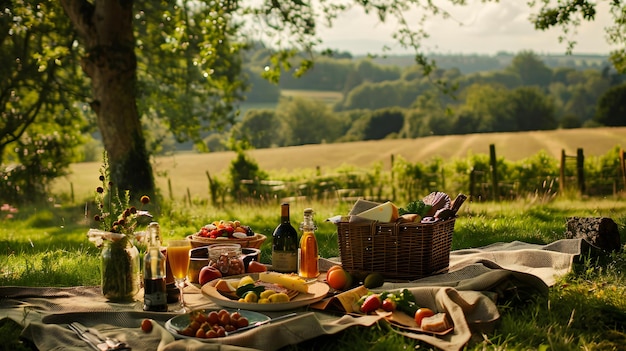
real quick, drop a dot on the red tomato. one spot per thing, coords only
(213, 318)
(421, 314)
(146, 325)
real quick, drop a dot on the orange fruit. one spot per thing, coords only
(333, 268)
(338, 278)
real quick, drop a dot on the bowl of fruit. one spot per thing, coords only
(226, 232)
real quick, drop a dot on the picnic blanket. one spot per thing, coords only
(477, 281)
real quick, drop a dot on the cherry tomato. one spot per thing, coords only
(146, 325)
(213, 317)
(421, 314)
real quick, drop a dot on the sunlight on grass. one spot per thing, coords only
(50, 268)
(586, 310)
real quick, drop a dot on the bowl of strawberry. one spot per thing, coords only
(220, 232)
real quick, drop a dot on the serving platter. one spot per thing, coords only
(317, 291)
(180, 322)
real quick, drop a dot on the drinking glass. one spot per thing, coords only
(178, 252)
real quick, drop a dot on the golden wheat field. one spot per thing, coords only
(188, 170)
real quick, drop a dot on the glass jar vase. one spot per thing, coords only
(120, 271)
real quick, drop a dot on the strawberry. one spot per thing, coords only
(371, 303)
(389, 304)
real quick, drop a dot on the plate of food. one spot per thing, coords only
(205, 324)
(265, 291)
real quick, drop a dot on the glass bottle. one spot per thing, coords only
(308, 266)
(154, 273)
(285, 244)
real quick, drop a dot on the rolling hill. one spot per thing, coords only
(187, 170)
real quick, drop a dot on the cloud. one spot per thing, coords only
(484, 28)
(491, 19)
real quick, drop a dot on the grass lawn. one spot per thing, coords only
(586, 310)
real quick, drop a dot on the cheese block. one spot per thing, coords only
(386, 212)
(225, 286)
(288, 281)
(362, 205)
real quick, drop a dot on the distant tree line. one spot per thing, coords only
(388, 101)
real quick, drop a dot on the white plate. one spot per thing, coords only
(317, 291)
(180, 322)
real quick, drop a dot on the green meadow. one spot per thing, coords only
(46, 245)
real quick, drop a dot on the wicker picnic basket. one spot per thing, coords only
(399, 251)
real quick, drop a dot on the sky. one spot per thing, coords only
(480, 28)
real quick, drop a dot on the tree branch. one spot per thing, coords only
(80, 13)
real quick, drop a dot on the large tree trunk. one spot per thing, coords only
(110, 61)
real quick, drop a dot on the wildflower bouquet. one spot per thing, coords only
(118, 220)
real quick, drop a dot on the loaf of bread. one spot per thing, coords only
(437, 323)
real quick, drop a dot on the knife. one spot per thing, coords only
(258, 324)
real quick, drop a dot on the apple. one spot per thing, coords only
(256, 267)
(208, 273)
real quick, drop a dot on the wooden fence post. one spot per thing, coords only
(169, 188)
(580, 168)
(494, 171)
(622, 163)
(562, 172)
(443, 178)
(472, 183)
(393, 183)
(212, 189)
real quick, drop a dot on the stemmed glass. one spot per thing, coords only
(178, 257)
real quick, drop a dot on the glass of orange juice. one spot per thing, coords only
(178, 252)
